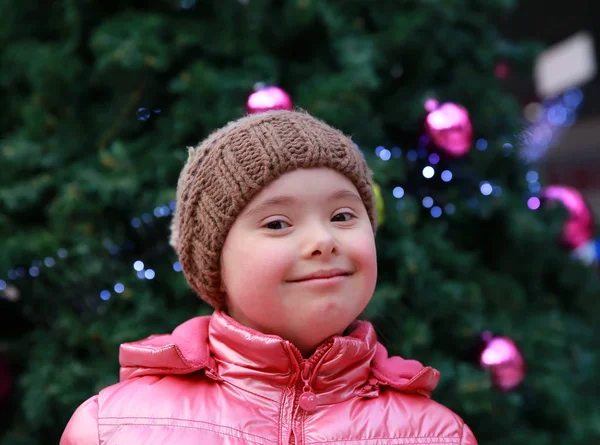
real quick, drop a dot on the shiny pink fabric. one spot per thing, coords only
(214, 381)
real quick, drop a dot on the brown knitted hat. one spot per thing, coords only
(232, 165)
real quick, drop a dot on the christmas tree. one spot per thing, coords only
(101, 101)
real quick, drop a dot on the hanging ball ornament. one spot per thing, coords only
(267, 99)
(379, 204)
(579, 226)
(504, 361)
(449, 128)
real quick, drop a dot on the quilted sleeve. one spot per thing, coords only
(467, 436)
(82, 429)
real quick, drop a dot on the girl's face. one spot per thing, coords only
(308, 221)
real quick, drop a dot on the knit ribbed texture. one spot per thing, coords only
(232, 165)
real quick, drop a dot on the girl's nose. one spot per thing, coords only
(320, 243)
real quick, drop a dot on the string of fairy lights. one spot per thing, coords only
(545, 125)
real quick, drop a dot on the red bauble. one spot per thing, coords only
(449, 127)
(579, 227)
(504, 361)
(267, 99)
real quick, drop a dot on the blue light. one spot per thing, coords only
(2, 284)
(573, 98)
(34, 271)
(119, 288)
(172, 205)
(532, 176)
(557, 115)
(427, 202)
(398, 192)
(396, 152)
(481, 144)
(450, 209)
(136, 223)
(49, 261)
(436, 212)
(486, 188)
(412, 155)
(446, 176)
(62, 253)
(378, 150)
(434, 158)
(177, 266)
(105, 295)
(385, 154)
(149, 274)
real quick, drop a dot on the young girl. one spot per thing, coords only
(274, 228)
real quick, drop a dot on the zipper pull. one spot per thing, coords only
(308, 400)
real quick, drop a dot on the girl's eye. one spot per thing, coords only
(276, 225)
(342, 219)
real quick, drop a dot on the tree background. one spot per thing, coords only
(101, 100)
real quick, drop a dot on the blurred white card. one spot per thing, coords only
(568, 64)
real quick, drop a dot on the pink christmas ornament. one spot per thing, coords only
(504, 360)
(579, 227)
(449, 127)
(268, 98)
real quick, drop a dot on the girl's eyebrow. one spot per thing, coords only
(284, 200)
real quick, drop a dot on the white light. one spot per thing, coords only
(398, 192)
(428, 172)
(486, 188)
(119, 288)
(569, 63)
(149, 274)
(138, 265)
(446, 176)
(427, 202)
